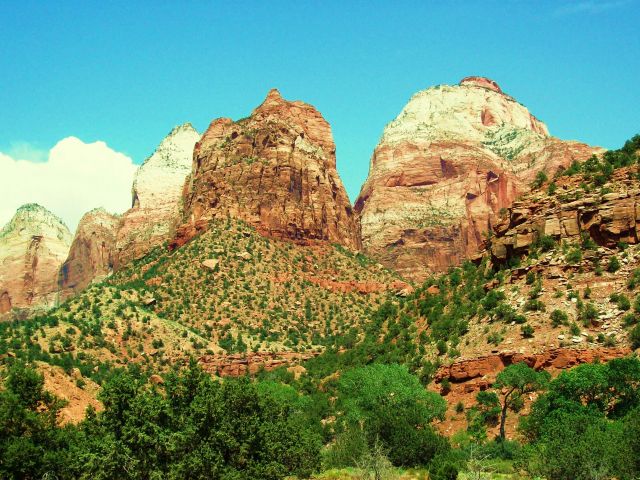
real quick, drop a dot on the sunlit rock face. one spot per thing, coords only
(444, 168)
(156, 196)
(91, 255)
(33, 246)
(276, 170)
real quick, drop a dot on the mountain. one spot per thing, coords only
(156, 196)
(445, 167)
(276, 170)
(91, 255)
(33, 246)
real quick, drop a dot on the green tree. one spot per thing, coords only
(515, 381)
(31, 443)
(198, 428)
(388, 403)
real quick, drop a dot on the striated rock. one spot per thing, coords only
(608, 219)
(445, 167)
(553, 359)
(236, 364)
(156, 196)
(91, 255)
(276, 170)
(33, 246)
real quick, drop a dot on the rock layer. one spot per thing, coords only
(276, 170)
(608, 218)
(156, 196)
(33, 246)
(91, 255)
(445, 167)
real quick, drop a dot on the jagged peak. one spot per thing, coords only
(273, 99)
(273, 95)
(482, 82)
(100, 211)
(181, 138)
(184, 127)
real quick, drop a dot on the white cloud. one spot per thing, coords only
(75, 178)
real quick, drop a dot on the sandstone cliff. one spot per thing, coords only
(276, 170)
(91, 254)
(608, 217)
(156, 196)
(33, 245)
(453, 158)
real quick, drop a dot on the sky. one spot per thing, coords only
(123, 73)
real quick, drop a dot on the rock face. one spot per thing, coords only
(156, 196)
(91, 255)
(33, 246)
(553, 359)
(276, 170)
(607, 218)
(453, 158)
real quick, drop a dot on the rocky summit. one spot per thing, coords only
(33, 245)
(91, 255)
(445, 167)
(156, 196)
(276, 170)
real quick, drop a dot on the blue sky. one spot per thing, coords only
(126, 72)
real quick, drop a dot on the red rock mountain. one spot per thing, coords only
(444, 168)
(276, 170)
(91, 255)
(33, 245)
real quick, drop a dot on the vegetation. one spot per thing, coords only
(585, 426)
(194, 427)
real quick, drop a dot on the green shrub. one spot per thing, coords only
(634, 337)
(541, 177)
(621, 301)
(558, 317)
(613, 265)
(574, 256)
(527, 331)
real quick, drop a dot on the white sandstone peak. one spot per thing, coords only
(475, 110)
(163, 173)
(34, 219)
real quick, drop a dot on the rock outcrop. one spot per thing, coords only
(156, 196)
(487, 367)
(608, 218)
(33, 246)
(444, 168)
(236, 365)
(91, 255)
(276, 170)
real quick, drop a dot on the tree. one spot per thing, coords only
(388, 403)
(31, 443)
(579, 445)
(197, 428)
(515, 381)
(587, 424)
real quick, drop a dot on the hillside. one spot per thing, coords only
(232, 298)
